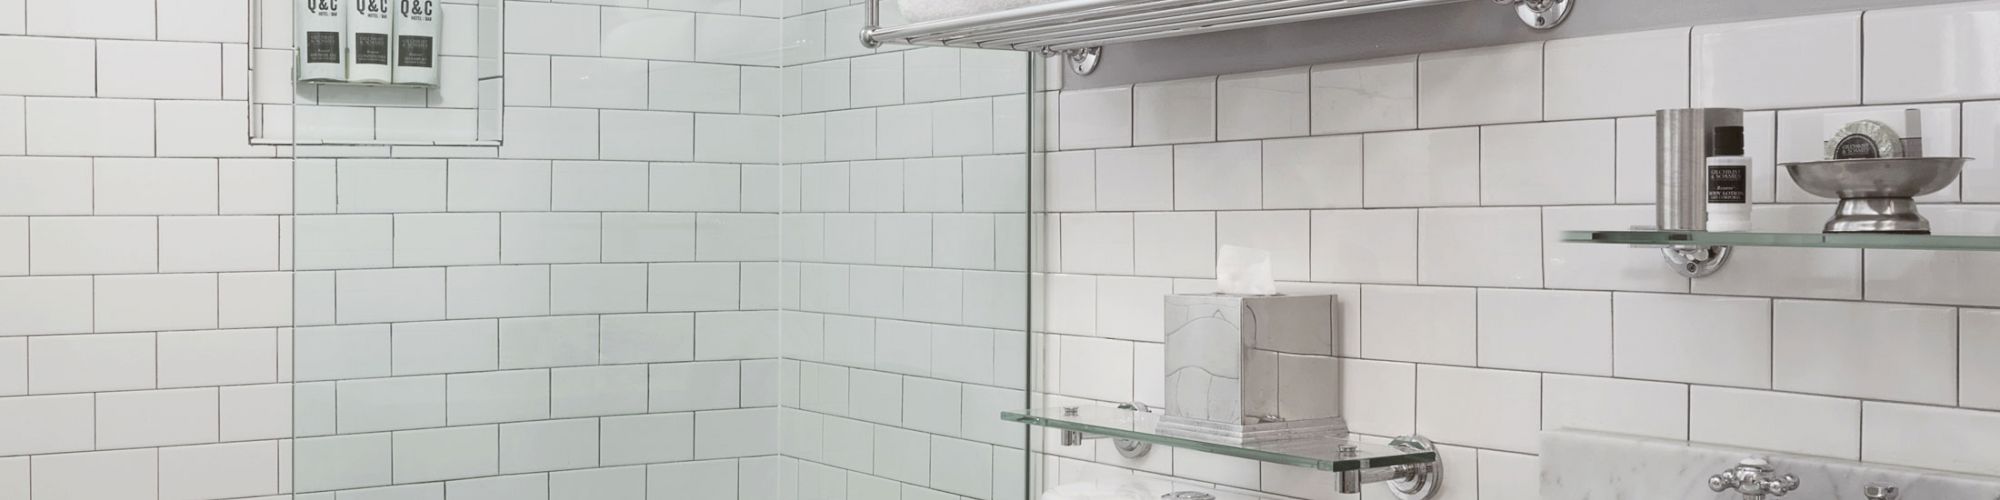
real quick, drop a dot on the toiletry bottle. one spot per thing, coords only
(1728, 182)
(369, 27)
(321, 26)
(416, 42)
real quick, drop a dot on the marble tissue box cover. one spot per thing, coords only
(1580, 465)
(1227, 355)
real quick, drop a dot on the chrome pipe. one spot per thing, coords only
(1048, 22)
(1141, 19)
(1010, 17)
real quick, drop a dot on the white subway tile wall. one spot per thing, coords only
(1428, 191)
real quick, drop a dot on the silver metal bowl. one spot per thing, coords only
(1876, 194)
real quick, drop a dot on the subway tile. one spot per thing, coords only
(1285, 234)
(1479, 86)
(963, 127)
(1631, 407)
(1778, 63)
(701, 479)
(905, 131)
(1479, 246)
(680, 86)
(341, 352)
(149, 186)
(257, 412)
(735, 138)
(644, 135)
(1557, 163)
(1131, 308)
(498, 185)
(93, 245)
(627, 483)
(1978, 376)
(49, 66)
(443, 454)
(1545, 330)
(692, 287)
(446, 239)
(981, 72)
(208, 244)
(384, 404)
(90, 127)
(1692, 338)
(1366, 246)
(646, 338)
(379, 186)
(963, 241)
(1649, 69)
(1318, 172)
(157, 418)
(394, 294)
(443, 347)
(1135, 179)
(1419, 324)
(1096, 118)
(1093, 368)
(344, 241)
(1484, 408)
(230, 470)
(1179, 111)
(597, 288)
(13, 246)
(597, 390)
(694, 386)
(550, 133)
(503, 396)
(46, 305)
(83, 475)
(45, 186)
(159, 70)
(1378, 397)
(1910, 350)
(548, 341)
(548, 445)
(1097, 243)
(1920, 53)
(537, 238)
(1925, 436)
(13, 125)
(48, 424)
(14, 366)
(226, 357)
(1177, 244)
(1981, 142)
(496, 291)
(1262, 105)
(647, 34)
(1421, 168)
(933, 185)
(1218, 176)
(1364, 96)
(736, 433)
(156, 302)
(1935, 277)
(1795, 423)
(541, 28)
(1071, 183)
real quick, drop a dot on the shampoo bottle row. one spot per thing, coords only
(369, 41)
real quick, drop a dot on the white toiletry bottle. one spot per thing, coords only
(322, 24)
(369, 26)
(1728, 182)
(417, 28)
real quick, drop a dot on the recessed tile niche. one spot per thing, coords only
(462, 110)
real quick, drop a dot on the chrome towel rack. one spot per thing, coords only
(1079, 29)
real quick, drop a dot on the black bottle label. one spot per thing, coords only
(323, 47)
(1727, 184)
(413, 51)
(371, 48)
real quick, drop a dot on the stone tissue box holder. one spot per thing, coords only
(1245, 369)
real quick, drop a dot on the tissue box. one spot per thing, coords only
(1246, 369)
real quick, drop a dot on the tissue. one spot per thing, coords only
(1244, 271)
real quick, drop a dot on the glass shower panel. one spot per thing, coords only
(906, 258)
(556, 275)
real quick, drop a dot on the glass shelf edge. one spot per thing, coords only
(1879, 241)
(1373, 455)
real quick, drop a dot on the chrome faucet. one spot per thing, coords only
(1754, 478)
(1879, 491)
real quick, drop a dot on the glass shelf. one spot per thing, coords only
(1317, 453)
(1803, 240)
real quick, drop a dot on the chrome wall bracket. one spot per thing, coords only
(1406, 482)
(1541, 14)
(1695, 261)
(1128, 448)
(1081, 61)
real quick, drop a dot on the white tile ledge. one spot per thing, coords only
(1590, 465)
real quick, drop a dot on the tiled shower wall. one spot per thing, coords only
(585, 312)
(1427, 192)
(905, 249)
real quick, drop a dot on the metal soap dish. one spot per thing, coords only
(1877, 195)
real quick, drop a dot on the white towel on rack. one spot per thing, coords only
(917, 11)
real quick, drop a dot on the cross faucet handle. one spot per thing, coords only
(1754, 478)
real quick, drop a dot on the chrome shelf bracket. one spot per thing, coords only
(1405, 482)
(1541, 14)
(1128, 448)
(1695, 261)
(1081, 61)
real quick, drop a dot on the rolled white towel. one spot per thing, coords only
(917, 11)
